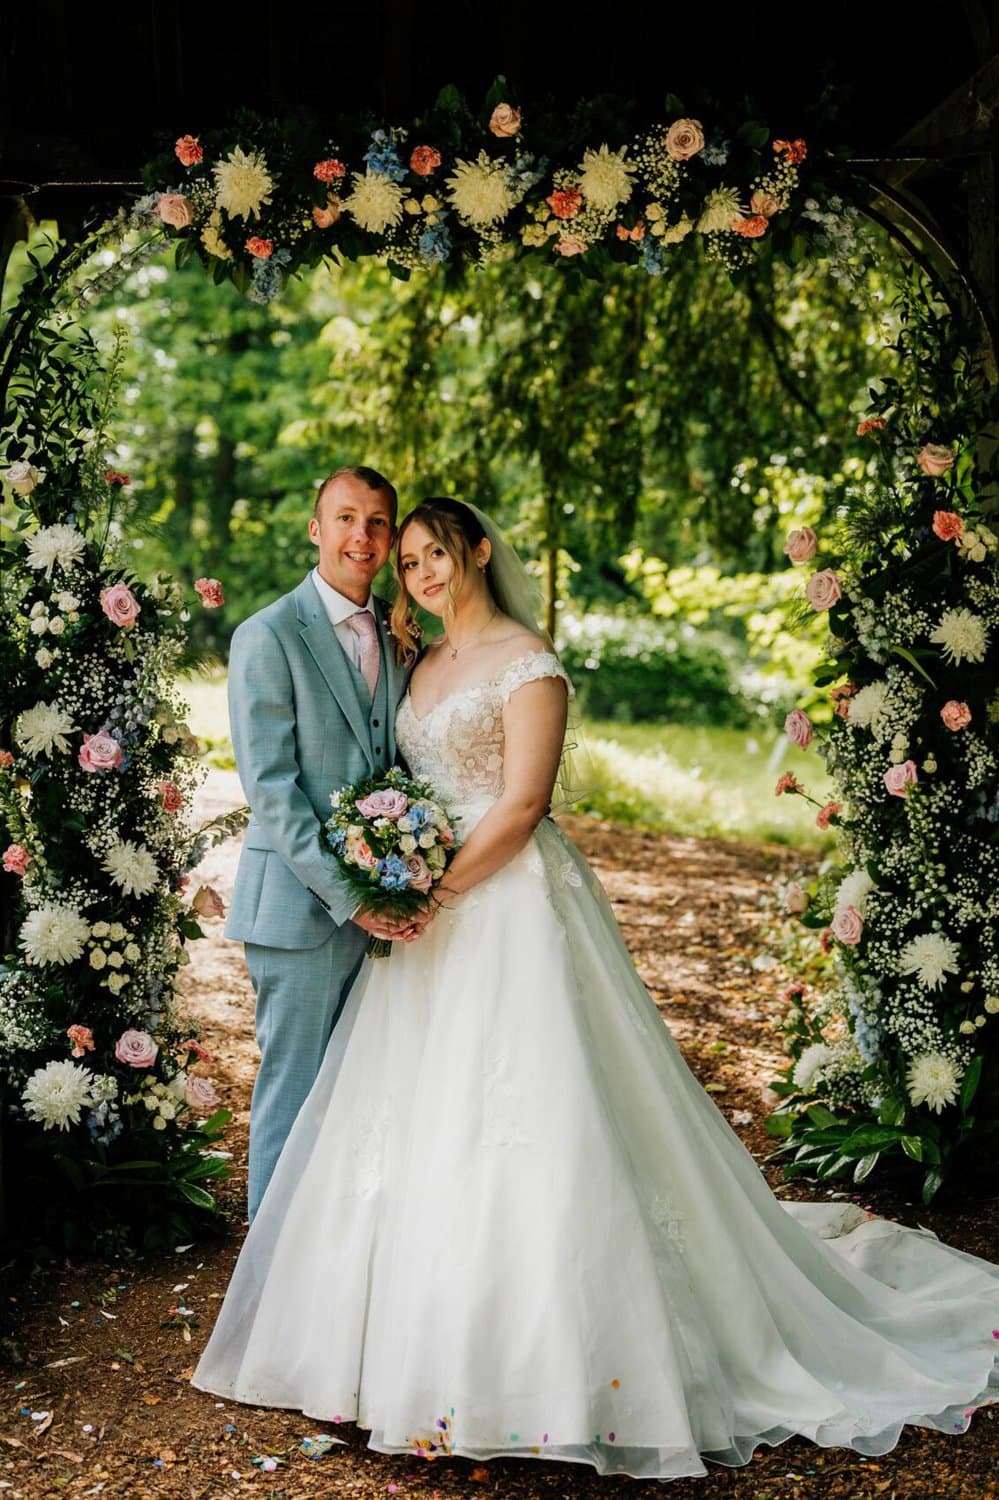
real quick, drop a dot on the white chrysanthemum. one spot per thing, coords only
(132, 867)
(243, 184)
(56, 1094)
(854, 890)
(810, 1065)
(931, 957)
(933, 1079)
(375, 202)
(44, 728)
(868, 704)
(64, 545)
(605, 179)
(479, 192)
(54, 934)
(721, 209)
(961, 636)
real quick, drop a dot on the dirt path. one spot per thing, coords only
(91, 1347)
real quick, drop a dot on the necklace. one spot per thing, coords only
(453, 651)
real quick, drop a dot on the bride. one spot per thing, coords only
(508, 1221)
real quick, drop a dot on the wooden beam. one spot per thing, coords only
(966, 114)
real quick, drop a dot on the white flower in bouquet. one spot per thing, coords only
(103, 1088)
(867, 705)
(375, 202)
(54, 934)
(809, 1066)
(22, 477)
(961, 636)
(721, 209)
(56, 1095)
(479, 191)
(50, 545)
(931, 957)
(132, 867)
(854, 889)
(605, 179)
(44, 728)
(933, 1079)
(243, 184)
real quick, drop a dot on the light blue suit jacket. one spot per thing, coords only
(300, 729)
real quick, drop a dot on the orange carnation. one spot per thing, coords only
(947, 525)
(188, 151)
(751, 228)
(424, 160)
(870, 424)
(793, 151)
(330, 170)
(565, 203)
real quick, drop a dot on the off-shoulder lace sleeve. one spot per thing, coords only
(529, 668)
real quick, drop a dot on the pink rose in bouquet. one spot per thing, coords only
(956, 715)
(136, 1048)
(386, 804)
(823, 589)
(898, 779)
(200, 1093)
(801, 544)
(174, 209)
(100, 752)
(419, 872)
(120, 605)
(798, 728)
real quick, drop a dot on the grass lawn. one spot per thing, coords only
(668, 776)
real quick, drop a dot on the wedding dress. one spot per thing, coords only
(509, 1222)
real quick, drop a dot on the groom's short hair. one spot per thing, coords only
(370, 477)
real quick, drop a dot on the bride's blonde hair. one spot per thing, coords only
(455, 528)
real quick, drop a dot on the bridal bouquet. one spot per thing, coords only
(392, 841)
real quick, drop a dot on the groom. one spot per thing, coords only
(313, 688)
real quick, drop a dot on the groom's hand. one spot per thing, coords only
(381, 926)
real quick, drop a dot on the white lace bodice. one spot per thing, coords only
(458, 745)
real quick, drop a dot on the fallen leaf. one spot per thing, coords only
(76, 1458)
(57, 1364)
(45, 1423)
(150, 1399)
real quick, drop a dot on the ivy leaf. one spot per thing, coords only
(972, 1079)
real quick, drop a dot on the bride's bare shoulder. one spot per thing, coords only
(518, 641)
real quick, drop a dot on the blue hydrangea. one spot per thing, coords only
(338, 839)
(392, 873)
(267, 277)
(382, 157)
(435, 243)
(715, 153)
(653, 257)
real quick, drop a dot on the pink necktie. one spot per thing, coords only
(363, 626)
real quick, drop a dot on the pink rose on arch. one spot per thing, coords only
(505, 121)
(207, 902)
(16, 859)
(200, 1093)
(211, 593)
(82, 1038)
(822, 590)
(795, 899)
(136, 1048)
(419, 872)
(956, 715)
(848, 925)
(934, 459)
(825, 815)
(898, 779)
(684, 139)
(798, 728)
(387, 804)
(801, 544)
(120, 605)
(100, 752)
(174, 209)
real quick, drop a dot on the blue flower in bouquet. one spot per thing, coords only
(382, 157)
(392, 873)
(653, 258)
(337, 838)
(435, 243)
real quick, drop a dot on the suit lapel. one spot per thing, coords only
(319, 637)
(397, 673)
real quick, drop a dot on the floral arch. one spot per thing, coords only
(103, 1085)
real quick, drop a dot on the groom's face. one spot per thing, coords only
(353, 531)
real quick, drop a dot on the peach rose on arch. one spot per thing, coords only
(100, 752)
(848, 925)
(934, 459)
(801, 544)
(207, 902)
(798, 728)
(823, 589)
(174, 209)
(684, 139)
(505, 121)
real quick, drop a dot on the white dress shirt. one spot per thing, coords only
(339, 609)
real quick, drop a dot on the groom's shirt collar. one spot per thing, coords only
(337, 606)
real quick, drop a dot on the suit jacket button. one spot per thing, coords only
(378, 749)
(376, 723)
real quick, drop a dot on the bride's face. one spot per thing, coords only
(429, 574)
